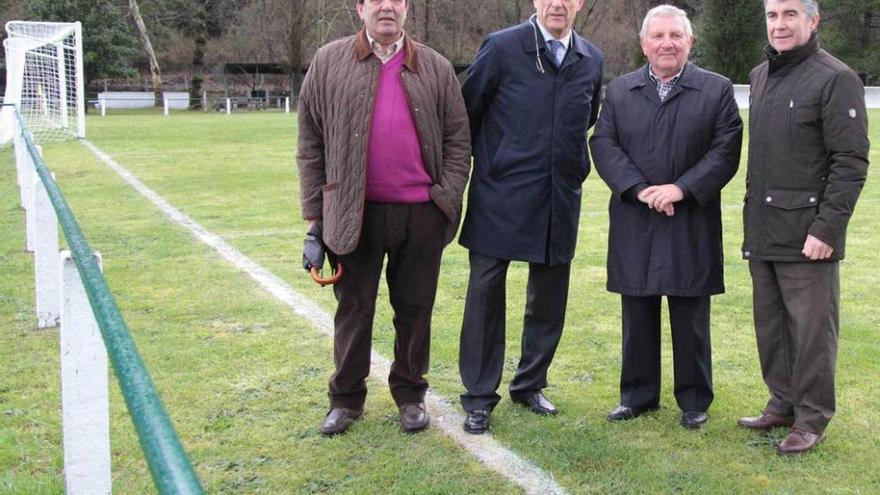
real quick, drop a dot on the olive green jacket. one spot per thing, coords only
(808, 153)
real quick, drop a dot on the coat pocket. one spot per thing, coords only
(789, 215)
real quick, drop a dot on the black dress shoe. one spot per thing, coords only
(626, 413)
(338, 420)
(536, 402)
(477, 421)
(693, 419)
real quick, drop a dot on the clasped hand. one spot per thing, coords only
(662, 198)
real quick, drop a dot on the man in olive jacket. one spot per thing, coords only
(808, 159)
(668, 140)
(383, 156)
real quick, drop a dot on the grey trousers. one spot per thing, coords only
(796, 308)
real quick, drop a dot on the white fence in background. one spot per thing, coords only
(741, 92)
(127, 100)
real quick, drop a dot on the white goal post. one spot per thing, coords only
(44, 80)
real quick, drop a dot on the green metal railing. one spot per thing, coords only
(170, 467)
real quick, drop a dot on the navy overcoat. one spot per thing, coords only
(691, 139)
(529, 124)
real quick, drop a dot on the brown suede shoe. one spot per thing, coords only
(338, 420)
(765, 422)
(414, 417)
(799, 441)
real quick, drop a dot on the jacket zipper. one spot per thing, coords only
(791, 123)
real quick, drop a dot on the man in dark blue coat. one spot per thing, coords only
(531, 94)
(666, 143)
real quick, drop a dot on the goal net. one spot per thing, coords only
(44, 80)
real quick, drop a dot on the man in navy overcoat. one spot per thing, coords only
(531, 94)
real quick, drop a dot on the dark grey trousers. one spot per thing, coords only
(481, 352)
(796, 309)
(691, 350)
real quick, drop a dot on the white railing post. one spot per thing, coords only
(27, 188)
(20, 168)
(103, 107)
(46, 266)
(85, 405)
(165, 103)
(228, 106)
(287, 104)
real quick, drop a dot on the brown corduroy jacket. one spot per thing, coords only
(335, 111)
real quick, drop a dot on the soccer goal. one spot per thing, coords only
(44, 80)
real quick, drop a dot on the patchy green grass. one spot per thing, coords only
(244, 380)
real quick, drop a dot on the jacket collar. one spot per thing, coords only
(690, 78)
(526, 32)
(778, 60)
(363, 50)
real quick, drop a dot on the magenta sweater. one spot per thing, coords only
(395, 171)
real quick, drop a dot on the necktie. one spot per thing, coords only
(557, 51)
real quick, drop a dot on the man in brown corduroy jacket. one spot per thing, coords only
(383, 156)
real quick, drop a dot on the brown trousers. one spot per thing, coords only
(412, 236)
(796, 308)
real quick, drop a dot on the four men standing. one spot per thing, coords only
(384, 143)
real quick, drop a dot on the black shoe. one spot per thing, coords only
(477, 421)
(536, 402)
(693, 419)
(626, 413)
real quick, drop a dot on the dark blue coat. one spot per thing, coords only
(691, 139)
(528, 132)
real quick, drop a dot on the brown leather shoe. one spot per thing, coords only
(799, 441)
(765, 422)
(414, 417)
(338, 420)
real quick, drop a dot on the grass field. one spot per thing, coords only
(245, 380)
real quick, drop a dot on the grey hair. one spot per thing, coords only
(667, 10)
(811, 7)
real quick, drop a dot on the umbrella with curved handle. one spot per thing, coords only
(317, 275)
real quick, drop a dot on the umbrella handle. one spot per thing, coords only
(316, 276)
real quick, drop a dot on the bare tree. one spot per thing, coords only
(144, 36)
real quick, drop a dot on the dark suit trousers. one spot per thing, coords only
(691, 349)
(481, 353)
(796, 322)
(412, 236)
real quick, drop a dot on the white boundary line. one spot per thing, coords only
(444, 414)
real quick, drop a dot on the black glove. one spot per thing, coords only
(313, 248)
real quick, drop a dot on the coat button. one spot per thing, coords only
(812, 200)
(769, 199)
(747, 254)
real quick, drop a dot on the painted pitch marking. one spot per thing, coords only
(445, 417)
